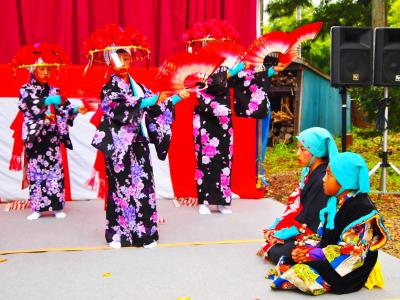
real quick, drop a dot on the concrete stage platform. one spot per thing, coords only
(201, 257)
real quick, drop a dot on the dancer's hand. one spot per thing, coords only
(280, 67)
(82, 109)
(184, 94)
(268, 234)
(301, 254)
(260, 252)
(163, 95)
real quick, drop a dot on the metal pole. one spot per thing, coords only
(342, 92)
(260, 17)
(385, 164)
(299, 12)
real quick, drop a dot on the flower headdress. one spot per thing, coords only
(39, 54)
(211, 30)
(104, 43)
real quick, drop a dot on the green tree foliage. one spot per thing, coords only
(394, 13)
(370, 99)
(284, 8)
(282, 17)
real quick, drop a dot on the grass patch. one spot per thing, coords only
(281, 158)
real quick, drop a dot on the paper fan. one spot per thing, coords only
(187, 70)
(196, 81)
(91, 103)
(229, 50)
(270, 44)
(299, 35)
(171, 64)
(306, 32)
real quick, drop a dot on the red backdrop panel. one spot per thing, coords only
(69, 22)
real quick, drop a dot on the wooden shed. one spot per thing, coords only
(302, 97)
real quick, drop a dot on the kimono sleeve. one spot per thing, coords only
(250, 94)
(158, 120)
(69, 112)
(351, 251)
(34, 111)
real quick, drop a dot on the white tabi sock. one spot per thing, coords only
(59, 214)
(34, 216)
(224, 210)
(204, 210)
(151, 245)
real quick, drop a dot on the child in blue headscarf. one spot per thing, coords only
(351, 232)
(315, 148)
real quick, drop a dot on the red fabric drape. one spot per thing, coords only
(67, 182)
(181, 153)
(69, 22)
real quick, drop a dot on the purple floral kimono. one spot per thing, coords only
(131, 202)
(42, 138)
(213, 132)
(250, 94)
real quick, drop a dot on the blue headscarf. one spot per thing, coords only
(319, 142)
(351, 172)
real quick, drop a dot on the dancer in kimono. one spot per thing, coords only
(131, 214)
(212, 120)
(344, 255)
(47, 116)
(315, 147)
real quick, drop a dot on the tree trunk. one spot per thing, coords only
(379, 14)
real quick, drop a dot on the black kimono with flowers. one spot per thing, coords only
(42, 139)
(131, 202)
(213, 132)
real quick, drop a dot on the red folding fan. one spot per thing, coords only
(270, 44)
(187, 71)
(90, 103)
(229, 50)
(300, 35)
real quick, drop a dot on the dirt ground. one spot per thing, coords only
(282, 184)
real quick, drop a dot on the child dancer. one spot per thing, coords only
(131, 201)
(212, 119)
(343, 257)
(315, 147)
(46, 120)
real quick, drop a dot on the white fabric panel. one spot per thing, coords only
(10, 182)
(162, 175)
(80, 160)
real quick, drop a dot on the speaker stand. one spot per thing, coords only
(343, 95)
(384, 164)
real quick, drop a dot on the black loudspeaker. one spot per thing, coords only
(351, 56)
(387, 56)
